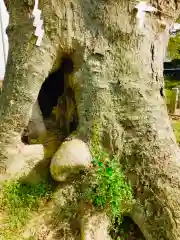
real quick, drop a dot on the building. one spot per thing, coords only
(4, 20)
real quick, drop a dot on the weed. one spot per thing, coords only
(107, 187)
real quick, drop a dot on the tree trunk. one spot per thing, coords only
(116, 81)
(26, 69)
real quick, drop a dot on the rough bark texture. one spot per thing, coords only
(27, 68)
(116, 80)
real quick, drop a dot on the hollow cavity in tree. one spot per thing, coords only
(53, 104)
(53, 87)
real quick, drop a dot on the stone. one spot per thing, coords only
(72, 156)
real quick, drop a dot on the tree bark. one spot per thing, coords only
(26, 69)
(116, 80)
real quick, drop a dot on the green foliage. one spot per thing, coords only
(107, 187)
(174, 46)
(168, 96)
(124, 236)
(176, 128)
(170, 83)
(20, 199)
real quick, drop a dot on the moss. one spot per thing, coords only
(18, 201)
(55, 171)
(106, 186)
(51, 147)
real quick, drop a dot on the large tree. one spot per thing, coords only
(116, 81)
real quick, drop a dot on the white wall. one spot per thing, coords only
(5, 21)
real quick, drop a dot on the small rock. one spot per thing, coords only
(72, 156)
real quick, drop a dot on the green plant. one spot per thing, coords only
(170, 83)
(176, 128)
(168, 96)
(107, 188)
(173, 47)
(174, 44)
(124, 236)
(20, 199)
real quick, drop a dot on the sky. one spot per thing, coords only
(5, 20)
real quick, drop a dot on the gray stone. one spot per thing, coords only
(72, 156)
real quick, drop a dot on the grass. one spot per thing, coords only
(176, 128)
(107, 188)
(18, 201)
(170, 83)
(168, 96)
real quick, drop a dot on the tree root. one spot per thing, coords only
(95, 227)
(61, 218)
(20, 160)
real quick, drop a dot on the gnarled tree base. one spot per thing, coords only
(116, 82)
